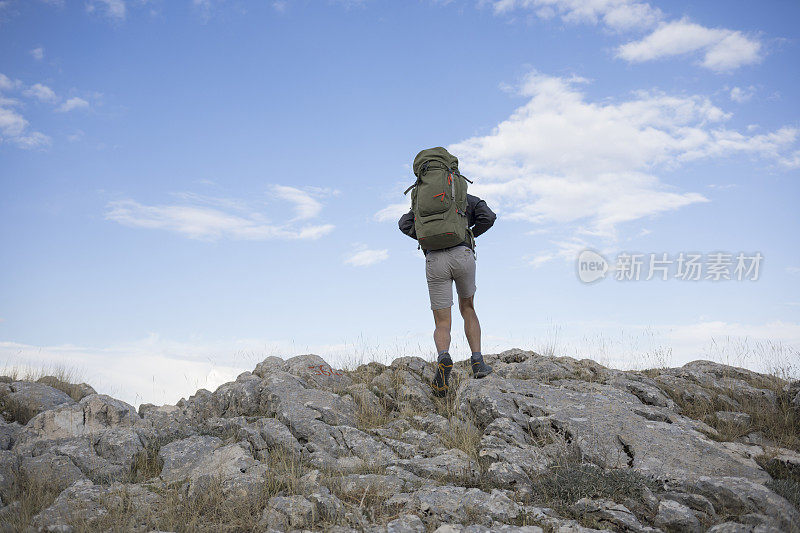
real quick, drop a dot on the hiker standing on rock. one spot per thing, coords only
(445, 221)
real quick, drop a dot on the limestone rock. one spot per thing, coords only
(406, 523)
(535, 414)
(741, 496)
(733, 417)
(27, 399)
(8, 432)
(54, 471)
(92, 415)
(674, 517)
(449, 503)
(285, 512)
(607, 424)
(90, 503)
(617, 515)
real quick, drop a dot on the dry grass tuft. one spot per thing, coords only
(29, 497)
(146, 464)
(562, 486)
(778, 423)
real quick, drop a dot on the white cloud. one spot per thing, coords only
(7, 84)
(793, 270)
(38, 53)
(73, 103)
(208, 218)
(587, 167)
(126, 371)
(75, 137)
(542, 258)
(113, 9)
(41, 92)
(14, 128)
(304, 205)
(158, 370)
(722, 49)
(366, 257)
(741, 95)
(616, 14)
(392, 212)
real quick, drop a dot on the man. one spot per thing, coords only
(442, 268)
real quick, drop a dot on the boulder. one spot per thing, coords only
(732, 495)
(25, 399)
(317, 373)
(608, 425)
(8, 433)
(288, 512)
(88, 504)
(406, 523)
(448, 503)
(203, 461)
(674, 517)
(92, 415)
(56, 472)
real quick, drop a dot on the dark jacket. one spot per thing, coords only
(479, 217)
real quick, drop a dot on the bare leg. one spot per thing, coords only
(441, 335)
(472, 328)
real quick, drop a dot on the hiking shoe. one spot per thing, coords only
(441, 382)
(479, 368)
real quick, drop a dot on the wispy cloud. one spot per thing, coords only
(305, 206)
(7, 84)
(14, 128)
(392, 212)
(37, 53)
(115, 10)
(741, 95)
(364, 257)
(721, 49)
(208, 218)
(73, 103)
(616, 14)
(41, 92)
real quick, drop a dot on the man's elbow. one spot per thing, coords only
(487, 219)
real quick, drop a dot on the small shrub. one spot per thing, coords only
(284, 470)
(561, 487)
(146, 464)
(76, 391)
(788, 488)
(32, 497)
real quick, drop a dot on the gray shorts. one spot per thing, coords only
(442, 267)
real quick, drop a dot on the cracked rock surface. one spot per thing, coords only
(543, 444)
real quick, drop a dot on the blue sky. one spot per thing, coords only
(187, 187)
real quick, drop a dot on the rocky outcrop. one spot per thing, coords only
(543, 444)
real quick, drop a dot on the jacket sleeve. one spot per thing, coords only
(484, 218)
(406, 225)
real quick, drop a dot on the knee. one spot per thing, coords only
(444, 325)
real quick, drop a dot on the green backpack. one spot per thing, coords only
(439, 201)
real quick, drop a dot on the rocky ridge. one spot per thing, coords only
(543, 444)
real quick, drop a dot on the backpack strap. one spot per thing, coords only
(457, 173)
(410, 187)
